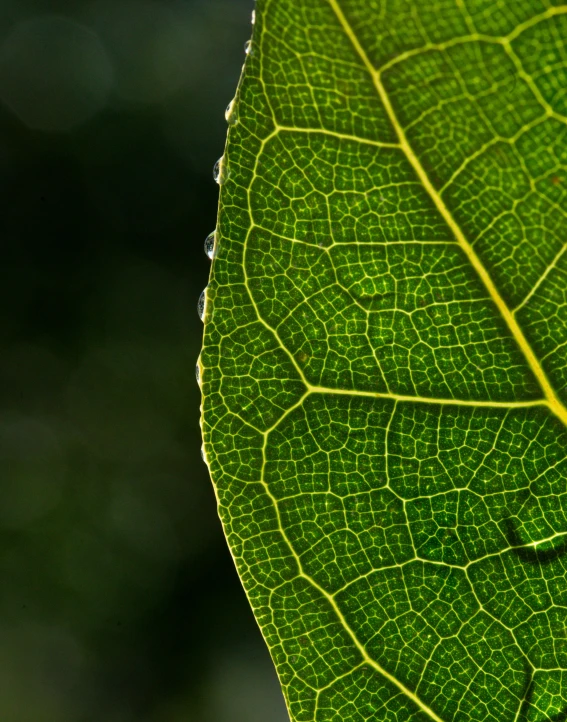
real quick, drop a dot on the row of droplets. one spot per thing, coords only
(220, 174)
(210, 249)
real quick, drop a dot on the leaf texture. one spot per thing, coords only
(384, 367)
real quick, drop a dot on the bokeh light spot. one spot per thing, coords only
(54, 73)
(34, 470)
(151, 45)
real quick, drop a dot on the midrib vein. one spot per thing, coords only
(551, 399)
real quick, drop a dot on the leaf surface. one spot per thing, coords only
(384, 367)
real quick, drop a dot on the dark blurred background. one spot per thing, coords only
(119, 598)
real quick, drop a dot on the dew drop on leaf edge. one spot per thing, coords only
(248, 47)
(220, 171)
(217, 170)
(230, 114)
(198, 374)
(210, 245)
(201, 304)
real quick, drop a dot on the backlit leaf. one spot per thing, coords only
(384, 366)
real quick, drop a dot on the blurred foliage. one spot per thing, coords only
(119, 598)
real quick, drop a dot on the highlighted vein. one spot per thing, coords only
(552, 400)
(331, 601)
(542, 278)
(340, 136)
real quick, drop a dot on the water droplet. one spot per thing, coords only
(248, 47)
(220, 171)
(201, 304)
(253, 17)
(198, 374)
(210, 244)
(217, 170)
(203, 454)
(231, 116)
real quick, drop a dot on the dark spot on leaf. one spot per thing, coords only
(528, 694)
(533, 554)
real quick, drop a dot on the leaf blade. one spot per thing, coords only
(346, 288)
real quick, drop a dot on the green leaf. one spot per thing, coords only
(385, 356)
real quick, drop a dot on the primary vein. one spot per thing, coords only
(552, 400)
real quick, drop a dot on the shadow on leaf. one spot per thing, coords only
(533, 554)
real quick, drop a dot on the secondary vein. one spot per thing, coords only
(552, 400)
